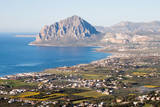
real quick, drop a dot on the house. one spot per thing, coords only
(118, 100)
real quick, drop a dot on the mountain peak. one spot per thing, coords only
(122, 23)
(75, 16)
(72, 19)
(73, 28)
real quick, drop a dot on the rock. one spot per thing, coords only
(68, 30)
(75, 31)
(116, 38)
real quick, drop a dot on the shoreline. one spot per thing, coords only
(33, 44)
(32, 73)
(25, 35)
(115, 54)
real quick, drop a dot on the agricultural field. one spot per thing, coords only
(90, 94)
(76, 95)
(16, 83)
(121, 80)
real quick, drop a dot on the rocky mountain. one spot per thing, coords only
(136, 27)
(73, 31)
(130, 32)
(132, 27)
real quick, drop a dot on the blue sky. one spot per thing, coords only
(32, 15)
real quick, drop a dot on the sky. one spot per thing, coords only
(32, 15)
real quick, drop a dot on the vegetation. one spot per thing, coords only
(16, 83)
(150, 86)
(90, 94)
(118, 84)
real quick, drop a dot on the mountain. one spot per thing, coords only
(130, 32)
(73, 31)
(136, 27)
(132, 27)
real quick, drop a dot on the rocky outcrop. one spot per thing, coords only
(123, 38)
(140, 38)
(116, 38)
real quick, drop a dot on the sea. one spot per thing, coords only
(16, 56)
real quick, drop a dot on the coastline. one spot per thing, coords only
(25, 35)
(60, 66)
(34, 44)
(40, 72)
(114, 54)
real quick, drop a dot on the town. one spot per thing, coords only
(113, 81)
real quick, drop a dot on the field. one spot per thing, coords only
(16, 83)
(79, 95)
(27, 94)
(88, 73)
(90, 94)
(150, 86)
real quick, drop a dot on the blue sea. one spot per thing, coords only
(16, 56)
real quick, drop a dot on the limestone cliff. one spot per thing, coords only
(66, 31)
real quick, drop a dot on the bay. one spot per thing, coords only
(16, 56)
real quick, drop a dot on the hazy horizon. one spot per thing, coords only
(31, 16)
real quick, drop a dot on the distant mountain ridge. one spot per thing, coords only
(130, 27)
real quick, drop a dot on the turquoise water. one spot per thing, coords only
(16, 56)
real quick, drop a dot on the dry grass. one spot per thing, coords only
(27, 94)
(150, 86)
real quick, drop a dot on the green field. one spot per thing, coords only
(16, 83)
(93, 94)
